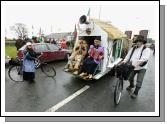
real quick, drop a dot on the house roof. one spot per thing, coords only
(113, 32)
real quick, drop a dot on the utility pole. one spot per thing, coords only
(99, 12)
(51, 28)
(32, 31)
(5, 31)
(51, 34)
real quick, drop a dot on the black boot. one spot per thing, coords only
(135, 93)
(129, 88)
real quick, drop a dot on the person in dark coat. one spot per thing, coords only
(29, 63)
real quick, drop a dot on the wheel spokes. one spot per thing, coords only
(15, 74)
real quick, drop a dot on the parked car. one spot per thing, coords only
(51, 52)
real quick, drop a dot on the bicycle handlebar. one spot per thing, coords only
(39, 55)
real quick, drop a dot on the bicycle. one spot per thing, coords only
(119, 87)
(16, 74)
(121, 75)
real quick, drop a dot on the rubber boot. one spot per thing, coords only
(135, 93)
(129, 88)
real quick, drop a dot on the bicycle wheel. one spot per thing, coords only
(15, 73)
(48, 70)
(118, 91)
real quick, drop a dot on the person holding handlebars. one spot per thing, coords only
(29, 63)
(138, 55)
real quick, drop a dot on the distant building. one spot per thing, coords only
(69, 38)
(153, 41)
(144, 33)
(59, 36)
(150, 40)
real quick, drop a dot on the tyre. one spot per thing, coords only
(48, 70)
(15, 73)
(118, 91)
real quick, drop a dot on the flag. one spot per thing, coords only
(40, 31)
(40, 39)
(40, 35)
(51, 29)
(32, 31)
(75, 33)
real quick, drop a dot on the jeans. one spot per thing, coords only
(140, 77)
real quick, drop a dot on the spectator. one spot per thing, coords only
(29, 63)
(63, 44)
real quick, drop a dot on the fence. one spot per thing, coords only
(12, 42)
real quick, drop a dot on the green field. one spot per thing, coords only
(11, 51)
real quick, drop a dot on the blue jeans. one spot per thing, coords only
(140, 77)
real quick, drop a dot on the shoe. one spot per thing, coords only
(75, 72)
(66, 70)
(31, 81)
(129, 88)
(70, 70)
(90, 76)
(134, 95)
(76, 67)
(83, 74)
(86, 77)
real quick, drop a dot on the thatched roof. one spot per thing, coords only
(113, 32)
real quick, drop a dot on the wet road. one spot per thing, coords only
(47, 92)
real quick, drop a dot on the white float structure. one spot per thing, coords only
(111, 39)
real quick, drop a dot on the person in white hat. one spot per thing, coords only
(29, 63)
(28, 44)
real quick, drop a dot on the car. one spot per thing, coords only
(51, 52)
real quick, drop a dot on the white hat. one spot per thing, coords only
(28, 43)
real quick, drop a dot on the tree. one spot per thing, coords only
(21, 33)
(20, 30)
(19, 42)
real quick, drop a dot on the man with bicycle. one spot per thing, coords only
(138, 55)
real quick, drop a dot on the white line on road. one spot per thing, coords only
(68, 99)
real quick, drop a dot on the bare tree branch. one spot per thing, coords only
(20, 30)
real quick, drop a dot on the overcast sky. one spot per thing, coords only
(63, 17)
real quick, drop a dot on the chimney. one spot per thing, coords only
(128, 34)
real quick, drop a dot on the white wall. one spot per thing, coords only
(110, 48)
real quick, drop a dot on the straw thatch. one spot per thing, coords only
(113, 32)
